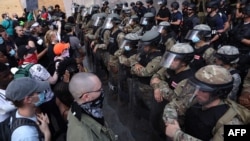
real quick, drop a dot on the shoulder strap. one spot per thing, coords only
(17, 122)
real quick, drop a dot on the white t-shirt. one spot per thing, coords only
(25, 133)
(5, 106)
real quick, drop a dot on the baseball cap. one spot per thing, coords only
(36, 24)
(60, 47)
(24, 50)
(19, 88)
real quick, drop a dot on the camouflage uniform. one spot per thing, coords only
(244, 98)
(178, 107)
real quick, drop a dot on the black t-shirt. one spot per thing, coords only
(22, 40)
(163, 13)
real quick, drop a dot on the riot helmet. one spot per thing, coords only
(214, 79)
(133, 18)
(105, 2)
(185, 4)
(175, 5)
(84, 12)
(98, 19)
(111, 20)
(130, 41)
(149, 1)
(147, 19)
(163, 26)
(198, 33)
(150, 38)
(228, 54)
(162, 2)
(246, 10)
(126, 10)
(180, 51)
(139, 3)
(213, 4)
(192, 7)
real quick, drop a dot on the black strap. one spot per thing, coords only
(17, 122)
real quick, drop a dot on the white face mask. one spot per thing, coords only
(127, 48)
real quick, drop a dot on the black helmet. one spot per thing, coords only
(213, 79)
(151, 38)
(105, 2)
(139, 3)
(192, 6)
(175, 5)
(246, 10)
(213, 4)
(149, 1)
(185, 3)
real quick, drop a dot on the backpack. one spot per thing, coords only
(8, 126)
(23, 71)
(235, 110)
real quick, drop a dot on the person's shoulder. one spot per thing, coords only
(25, 132)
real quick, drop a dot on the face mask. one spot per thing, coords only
(12, 52)
(65, 53)
(127, 48)
(195, 39)
(94, 108)
(41, 97)
(32, 59)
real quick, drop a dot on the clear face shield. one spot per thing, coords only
(194, 33)
(108, 23)
(97, 21)
(168, 58)
(144, 21)
(84, 12)
(90, 10)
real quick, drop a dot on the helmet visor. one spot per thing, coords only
(84, 12)
(108, 23)
(168, 58)
(97, 21)
(191, 34)
(125, 43)
(144, 21)
(90, 10)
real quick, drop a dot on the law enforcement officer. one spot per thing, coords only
(189, 21)
(169, 80)
(105, 6)
(168, 36)
(176, 17)
(228, 57)
(147, 22)
(163, 14)
(205, 107)
(132, 25)
(150, 7)
(204, 52)
(216, 22)
(144, 64)
(126, 85)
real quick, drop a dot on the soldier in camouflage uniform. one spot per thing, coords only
(244, 98)
(132, 26)
(127, 49)
(115, 39)
(147, 22)
(143, 65)
(228, 57)
(105, 7)
(170, 79)
(204, 52)
(205, 107)
(168, 37)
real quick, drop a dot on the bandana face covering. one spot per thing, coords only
(94, 108)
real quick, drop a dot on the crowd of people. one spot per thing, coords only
(183, 67)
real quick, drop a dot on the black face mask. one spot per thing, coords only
(94, 107)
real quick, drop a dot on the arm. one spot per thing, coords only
(209, 56)
(150, 69)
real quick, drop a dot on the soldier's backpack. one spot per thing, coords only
(23, 71)
(235, 110)
(11, 123)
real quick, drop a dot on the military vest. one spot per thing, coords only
(113, 45)
(198, 60)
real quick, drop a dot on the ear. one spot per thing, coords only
(85, 98)
(28, 99)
